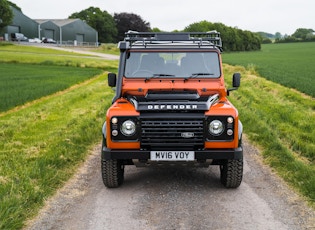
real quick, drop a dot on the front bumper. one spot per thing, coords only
(214, 154)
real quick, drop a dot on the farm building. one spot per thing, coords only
(64, 31)
(67, 31)
(21, 24)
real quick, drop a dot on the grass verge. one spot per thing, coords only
(42, 144)
(282, 122)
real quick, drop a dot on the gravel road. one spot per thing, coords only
(175, 198)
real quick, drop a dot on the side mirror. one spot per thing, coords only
(111, 79)
(236, 82)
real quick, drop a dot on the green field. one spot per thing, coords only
(22, 83)
(290, 64)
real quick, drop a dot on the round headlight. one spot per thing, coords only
(128, 128)
(216, 127)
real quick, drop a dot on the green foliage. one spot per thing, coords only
(232, 39)
(291, 65)
(42, 145)
(300, 35)
(129, 21)
(102, 21)
(6, 14)
(282, 122)
(23, 82)
(14, 5)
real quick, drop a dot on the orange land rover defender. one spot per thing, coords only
(171, 107)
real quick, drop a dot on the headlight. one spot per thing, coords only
(216, 128)
(128, 128)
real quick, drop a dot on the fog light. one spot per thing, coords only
(229, 132)
(230, 120)
(114, 133)
(114, 120)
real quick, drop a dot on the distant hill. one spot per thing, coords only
(267, 35)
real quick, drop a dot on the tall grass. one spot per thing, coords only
(41, 145)
(290, 64)
(282, 122)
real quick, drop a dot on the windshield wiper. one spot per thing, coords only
(195, 75)
(158, 75)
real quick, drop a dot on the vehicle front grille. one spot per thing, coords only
(172, 133)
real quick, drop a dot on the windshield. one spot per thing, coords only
(172, 64)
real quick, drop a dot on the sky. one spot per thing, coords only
(271, 16)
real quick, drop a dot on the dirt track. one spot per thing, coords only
(176, 199)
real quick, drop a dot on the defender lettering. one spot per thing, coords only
(173, 107)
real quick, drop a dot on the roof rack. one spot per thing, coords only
(151, 37)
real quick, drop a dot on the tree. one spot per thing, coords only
(278, 35)
(233, 39)
(101, 21)
(302, 33)
(129, 21)
(14, 5)
(6, 14)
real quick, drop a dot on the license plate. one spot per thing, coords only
(172, 155)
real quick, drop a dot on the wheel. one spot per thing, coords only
(112, 172)
(232, 173)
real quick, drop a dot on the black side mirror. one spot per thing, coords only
(111, 79)
(236, 82)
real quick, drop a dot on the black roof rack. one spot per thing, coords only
(151, 37)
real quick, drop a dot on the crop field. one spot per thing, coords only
(21, 83)
(290, 64)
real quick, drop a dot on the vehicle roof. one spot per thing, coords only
(171, 40)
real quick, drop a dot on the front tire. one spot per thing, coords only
(112, 172)
(232, 173)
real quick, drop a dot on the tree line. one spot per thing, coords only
(112, 29)
(233, 39)
(300, 35)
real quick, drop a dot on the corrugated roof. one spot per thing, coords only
(58, 22)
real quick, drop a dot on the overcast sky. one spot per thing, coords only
(271, 16)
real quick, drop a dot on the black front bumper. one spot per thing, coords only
(214, 154)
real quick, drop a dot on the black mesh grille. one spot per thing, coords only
(172, 133)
